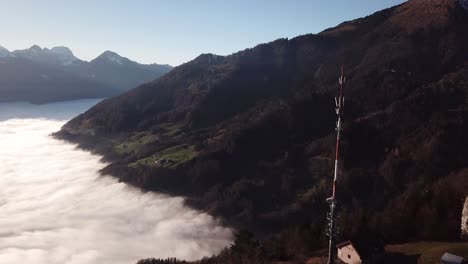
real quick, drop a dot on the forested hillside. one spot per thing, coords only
(249, 137)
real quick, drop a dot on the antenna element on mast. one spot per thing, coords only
(331, 216)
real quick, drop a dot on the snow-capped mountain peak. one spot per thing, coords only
(35, 48)
(64, 54)
(62, 51)
(112, 57)
(57, 55)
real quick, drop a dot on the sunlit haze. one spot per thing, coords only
(168, 32)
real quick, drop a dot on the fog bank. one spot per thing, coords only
(55, 208)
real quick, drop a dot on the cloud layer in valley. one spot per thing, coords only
(55, 208)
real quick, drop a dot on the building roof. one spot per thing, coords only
(365, 248)
(450, 258)
(344, 244)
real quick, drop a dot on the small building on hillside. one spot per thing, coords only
(164, 162)
(448, 258)
(360, 252)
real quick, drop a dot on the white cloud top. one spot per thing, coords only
(55, 208)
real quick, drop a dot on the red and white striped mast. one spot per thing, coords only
(331, 230)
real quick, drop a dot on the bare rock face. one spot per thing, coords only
(464, 222)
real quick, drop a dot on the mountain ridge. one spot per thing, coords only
(44, 75)
(56, 56)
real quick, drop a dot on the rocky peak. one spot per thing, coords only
(62, 51)
(35, 48)
(56, 55)
(111, 57)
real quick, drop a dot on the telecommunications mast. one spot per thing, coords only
(331, 229)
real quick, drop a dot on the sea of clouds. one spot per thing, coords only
(56, 208)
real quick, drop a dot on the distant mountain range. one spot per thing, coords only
(42, 75)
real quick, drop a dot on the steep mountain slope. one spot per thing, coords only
(41, 75)
(250, 136)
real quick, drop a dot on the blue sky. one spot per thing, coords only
(167, 31)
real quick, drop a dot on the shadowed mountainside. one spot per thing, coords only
(249, 136)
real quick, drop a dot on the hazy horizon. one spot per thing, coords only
(168, 32)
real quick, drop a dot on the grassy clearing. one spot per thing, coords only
(430, 252)
(172, 129)
(175, 155)
(135, 142)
